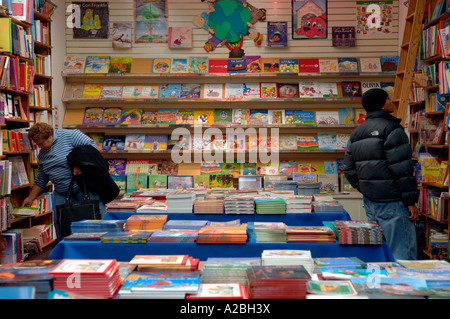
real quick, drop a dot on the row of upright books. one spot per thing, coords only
(221, 116)
(16, 74)
(306, 89)
(14, 39)
(249, 64)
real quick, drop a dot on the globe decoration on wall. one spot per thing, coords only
(228, 22)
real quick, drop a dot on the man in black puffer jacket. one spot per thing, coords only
(378, 163)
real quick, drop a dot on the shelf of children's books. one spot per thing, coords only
(433, 59)
(41, 108)
(42, 17)
(41, 45)
(444, 16)
(42, 76)
(16, 21)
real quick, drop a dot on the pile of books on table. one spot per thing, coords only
(232, 290)
(239, 204)
(126, 237)
(277, 282)
(98, 278)
(164, 263)
(208, 206)
(299, 204)
(97, 226)
(128, 206)
(288, 257)
(173, 236)
(309, 234)
(236, 234)
(353, 232)
(225, 270)
(156, 207)
(270, 205)
(181, 224)
(264, 232)
(160, 285)
(145, 222)
(180, 202)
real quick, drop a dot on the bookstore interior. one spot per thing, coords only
(225, 125)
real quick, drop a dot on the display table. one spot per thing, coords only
(125, 252)
(307, 219)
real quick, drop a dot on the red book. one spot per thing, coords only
(218, 65)
(310, 65)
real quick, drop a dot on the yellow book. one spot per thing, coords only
(92, 91)
(205, 116)
(5, 35)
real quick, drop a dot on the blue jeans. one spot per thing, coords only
(398, 230)
(76, 196)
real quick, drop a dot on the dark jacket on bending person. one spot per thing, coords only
(378, 160)
(95, 172)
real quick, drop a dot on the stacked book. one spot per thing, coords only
(225, 270)
(145, 222)
(85, 236)
(324, 289)
(328, 207)
(126, 237)
(239, 204)
(30, 273)
(97, 226)
(338, 262)
(122, 206)
(96, 278)
(223, 234)
(156, 207)
(232, 290)
(277, 282)
(299, 204)
(288, 258)
(208, 206)
(270, 205)
(309, 234)
(263, 232)
(180, 202)
(352, 232)
(164, 263)
(173, 236)
(181, 224)
(161, 285)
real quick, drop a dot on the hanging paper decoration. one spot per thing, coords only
(228, 22)
(373, 17)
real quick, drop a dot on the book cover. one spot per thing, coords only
(328, 90)
(310, 177)
(328, 65)
(277, 117)
(185, 117)
(366, 86)
(180, 182)
(253, 64)
(241, 116)
(218, 65)
(74, 65)
(97, 64)
(250, 182)
(179, 142)
(92, 91)
(167, 116)
(139, 91)
(288, 142)
(134, 142)
(210, 168)
(179, 37)
(73, 90)
(179, 65)
(389, 63)
(307, 143)
(220, 181)
(121, 35)
(137, 166)
(308, 65)
(170, 90)
(237, 65)
(113, 143)
(389, 88)
(271, 65)
(327, 141)
(83, 266)
(251, 90)
(342, 140)
(288, 168)
(236, 142)
(309, 89)
(248, 168)
(155, 142)
(346, 115)
(136, 181)
(157, 181)
(117, 166)
(288, 90)
(204, 116)
(351, 88)
(299, 117)
(198, 64)
(132, 116)
(212, 91)
(223, 116)
(234, 91)
(343, 36)
(360, 116)
(161, 65)
(327, 117)
(370, 65)
(259, 117)
(289, 65)
(190, 91)
(269, 90)
(93, 115)
(348, 65)
(111, 92)
(201, 181)
(277, 34)
(231, 168)
(329, 183)
(149, 117)
(120, 64)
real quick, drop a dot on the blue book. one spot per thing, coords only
(170, 91)
(24, 292)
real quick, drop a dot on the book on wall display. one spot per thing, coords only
(136, 181)
(330, 65)
(134, 142)
(389, 63)
(309, 89)
(289, 65)
(97, 64)
(179, 65)
(288, 142)
(389, 88)
(241, 116)
(180, 182)
(185, 117)
(131, 116)
(348, 65)
(117, 166)
(212, 91)
(269, 90)
(204, 116)
(157, 181)
(329, 183)
(308, 65)
(368, 85)
(277, 117)
(161, 65)
(73, 90)
(155, 142)
(277, 34)
(351, 88)
(198, 64)
(270, 65)
(111, 92)
(92, 91)
(170, 90)
(300, 117)
(223, 116)
(190, 91)
(234, 91)
(179, 37)
(288, 90)
(307, 143)
(167, 116)
(237, 65)
(327, 117)
(121, 35)
(370, 65)
(217, 66)
(220, 181)
(343, 36)
(112, 116)
(74, 65)
(327, 141)
(120, 64)
(253, 64)
(360, 116)
(328, 89)
(259, 117)
(93, 115)
(346, 115)
(113, 143)
(251, 90)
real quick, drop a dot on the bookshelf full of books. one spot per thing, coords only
(25, 231)
(300, 110)
(429, 131)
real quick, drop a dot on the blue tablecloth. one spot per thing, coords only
(125, 252)
(308, 219)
